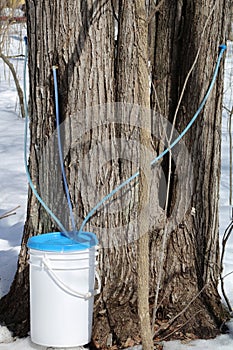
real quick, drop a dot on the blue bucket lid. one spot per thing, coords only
(58, 242)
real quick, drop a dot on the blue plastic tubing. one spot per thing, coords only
(60, 148)
(62, 228)
(222, 48)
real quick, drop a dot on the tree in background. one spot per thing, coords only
(133, 54)
(5, 25)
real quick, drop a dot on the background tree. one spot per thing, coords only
(98, 64)
(5, 25)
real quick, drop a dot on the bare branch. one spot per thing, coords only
(228, 110)
(16, 56)
(181, 326)
(181, 312)
(16, 80)
(226, 236)
(227, 274)
(170, 322)
(155, 10)
(9, 213)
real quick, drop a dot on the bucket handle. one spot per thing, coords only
(62, 285)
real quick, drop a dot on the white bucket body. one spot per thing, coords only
(62, 296)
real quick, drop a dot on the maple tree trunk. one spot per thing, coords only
(191, 263)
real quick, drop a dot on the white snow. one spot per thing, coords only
(13, 183)
(13, 193)
(5, 335)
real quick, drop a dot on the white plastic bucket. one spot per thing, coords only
(62, 279)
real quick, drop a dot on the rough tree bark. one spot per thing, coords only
(78, 36)
(193, 265)
(132, 87)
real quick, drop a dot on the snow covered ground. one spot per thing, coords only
(13, 193)
(13, 184)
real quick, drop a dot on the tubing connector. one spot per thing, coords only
(26, 40)
(88, 296)
(223, 47)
